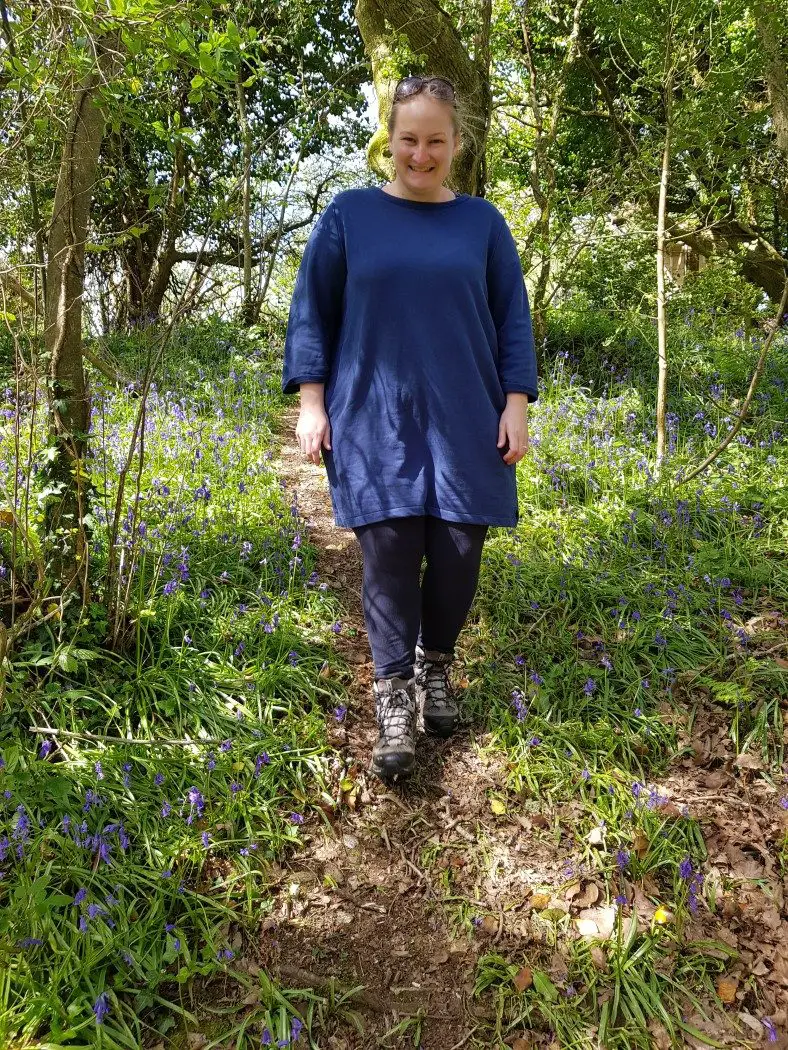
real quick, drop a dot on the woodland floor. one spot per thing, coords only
(359, 903)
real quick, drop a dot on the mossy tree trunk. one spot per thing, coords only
(69, 406)
(436, 48)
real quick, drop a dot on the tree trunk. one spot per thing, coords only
(770, 23)
(248, 307)
(662, 322)
(69, 410)
(543, 174)
(432, 36)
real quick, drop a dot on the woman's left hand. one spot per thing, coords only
(513, 428)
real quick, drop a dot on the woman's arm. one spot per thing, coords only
(313, 429)
(513, 428)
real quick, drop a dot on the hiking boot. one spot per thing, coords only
(395, 709)
(433, 692)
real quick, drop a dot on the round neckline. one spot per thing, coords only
(408, 203)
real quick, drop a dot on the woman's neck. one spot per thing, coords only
(397, 190)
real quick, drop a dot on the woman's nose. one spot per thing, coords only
(420, 154)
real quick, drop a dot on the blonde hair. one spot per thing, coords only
(458, 119)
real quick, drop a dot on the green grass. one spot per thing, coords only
(618, 609)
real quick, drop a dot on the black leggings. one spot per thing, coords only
(399, 609)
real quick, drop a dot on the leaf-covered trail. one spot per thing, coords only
(387, 887)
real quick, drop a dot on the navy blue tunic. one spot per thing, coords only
(416, 318)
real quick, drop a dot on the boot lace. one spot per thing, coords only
(434, 679)
(394, 714)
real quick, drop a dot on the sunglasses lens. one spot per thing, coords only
(437, 86)
(408, 86)
(441, 88)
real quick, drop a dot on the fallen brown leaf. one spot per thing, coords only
(489, 925)
(589, 896)
(523, 978)
(726, 989)
(669, 809)
(539, 901)
(640, 845)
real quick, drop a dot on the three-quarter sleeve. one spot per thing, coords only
(508, 301)
(316, 307)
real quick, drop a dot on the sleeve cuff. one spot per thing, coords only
(291, 386)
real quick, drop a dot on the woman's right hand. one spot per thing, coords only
(313, 430)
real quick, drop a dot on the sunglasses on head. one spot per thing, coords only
(439, 87)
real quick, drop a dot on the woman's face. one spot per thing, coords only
(422, 145)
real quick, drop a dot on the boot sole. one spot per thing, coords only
(441, 729)
(391, 768)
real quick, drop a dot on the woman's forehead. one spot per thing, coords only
(423, 114)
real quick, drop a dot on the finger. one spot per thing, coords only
(501, 434)
(327, 437)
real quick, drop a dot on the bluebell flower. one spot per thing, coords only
(771, 1029)
(196, 803)
(101, 1008)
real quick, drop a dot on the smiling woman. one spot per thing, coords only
(410, 340)
(424, 138)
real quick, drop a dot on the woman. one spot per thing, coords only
(410, 340)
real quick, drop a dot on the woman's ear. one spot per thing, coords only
(457, 145)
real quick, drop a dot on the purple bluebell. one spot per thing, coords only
(101, 1008)
(771, 1029)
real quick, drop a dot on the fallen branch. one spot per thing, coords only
(742, 415)
(102, 738)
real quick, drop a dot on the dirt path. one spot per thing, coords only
(366, 911)
(383, 896)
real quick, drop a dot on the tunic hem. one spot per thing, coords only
(354, 521)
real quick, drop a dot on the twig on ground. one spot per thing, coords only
(366, 905)
(103, 738)
(419, 874)
(464, 1039)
